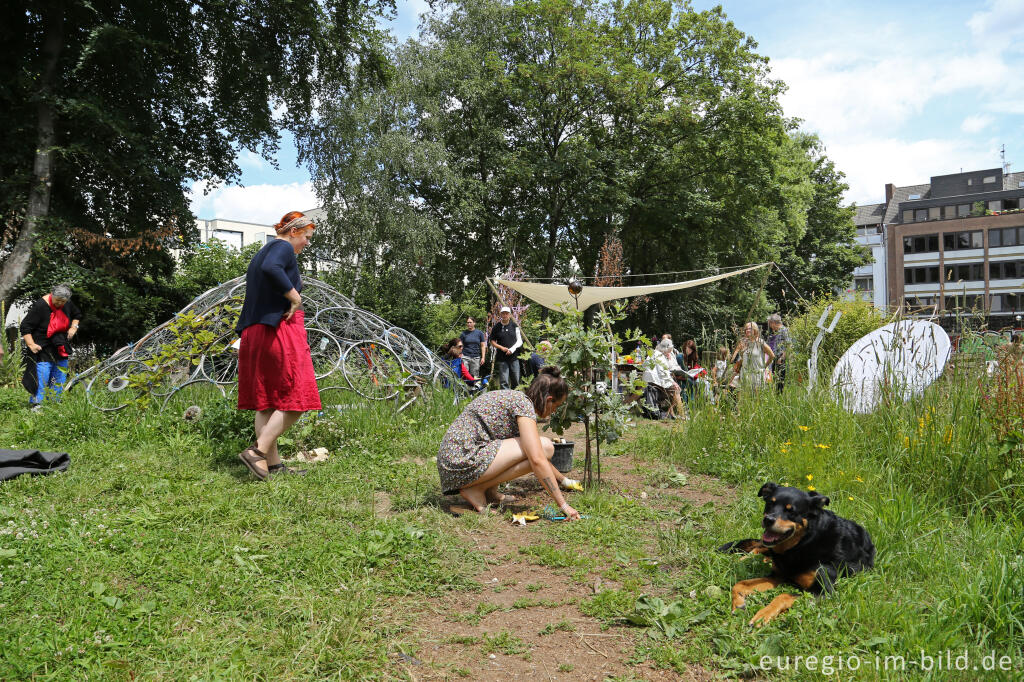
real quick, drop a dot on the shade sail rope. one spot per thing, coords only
(557, 296)
(583, 278)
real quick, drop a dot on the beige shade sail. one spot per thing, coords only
(557, 296)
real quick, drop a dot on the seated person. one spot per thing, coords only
(721, 368)
(659, 373)
(537, 360)
(452, 352)
(694, 377)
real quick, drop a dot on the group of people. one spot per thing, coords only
(467, 353)
(495, 439)
(751, 363)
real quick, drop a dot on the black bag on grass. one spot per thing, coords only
(14, 463)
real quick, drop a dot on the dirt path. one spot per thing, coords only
(525, 622)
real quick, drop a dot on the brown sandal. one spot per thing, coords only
(250, 461)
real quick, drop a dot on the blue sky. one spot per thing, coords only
(898, 91)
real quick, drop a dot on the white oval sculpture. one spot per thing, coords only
(900, 359)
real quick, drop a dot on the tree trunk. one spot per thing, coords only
(549, 267)
(16, 265)
(355, 280)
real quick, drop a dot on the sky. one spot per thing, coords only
(897, 91)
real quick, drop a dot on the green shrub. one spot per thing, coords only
(859, 318)
(221, 420)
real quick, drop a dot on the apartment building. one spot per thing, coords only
(869, 281)
(234, 233)
(957, 244)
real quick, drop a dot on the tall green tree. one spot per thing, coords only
(821, 260)
(369, 169)
(111, 109)
(553, 124)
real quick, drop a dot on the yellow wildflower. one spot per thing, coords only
(810, 487)
(949, 434)
(783, 450)
(788, 442)
(906, 442)
(850, 499)
(805, 428)
(810, 477)
(860, 480)
(822, 446)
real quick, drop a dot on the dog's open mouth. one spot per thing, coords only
(772, 538)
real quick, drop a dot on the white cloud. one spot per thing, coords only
(897, 105)
(976, 123)
(263, 204)
(871, 163)
(249, 160)
(999, 27)
(837, 97)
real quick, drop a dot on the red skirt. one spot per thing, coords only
(275, 368)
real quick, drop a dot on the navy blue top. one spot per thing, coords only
(272, 273)
(471, 341)
(535, 363)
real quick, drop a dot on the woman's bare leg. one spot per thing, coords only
(510, 463)
(277, 422)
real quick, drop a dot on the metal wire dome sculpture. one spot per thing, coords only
(354, 351)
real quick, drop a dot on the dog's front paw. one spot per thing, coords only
(778, 605)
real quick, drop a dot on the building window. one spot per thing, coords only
(989, 179)
(994, 238)
(1007, 269)
(863, 283)
(229, 237)
(919, 301)
(934, 213)
(1007, 303)
(271, 238)
(963, 210)
(995, 205)
(966, 302)
(921, 215)
(965, 272)
(974, 239)
(914, 196)
(925, 275)
(925, 243)
(908, 216)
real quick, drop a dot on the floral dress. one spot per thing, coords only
(474, 438)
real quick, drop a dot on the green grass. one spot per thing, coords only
(157, 556)
(925, 481)
(156, 553)
(504, 642)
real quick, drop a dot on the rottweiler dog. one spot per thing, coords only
(808, 545)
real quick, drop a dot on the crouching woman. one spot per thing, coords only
(496, 439)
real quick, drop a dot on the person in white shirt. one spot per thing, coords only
(659, 372)
(507, 341)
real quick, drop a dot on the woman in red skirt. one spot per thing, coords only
(275, 368)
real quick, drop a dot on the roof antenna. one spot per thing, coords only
(1006, 166)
